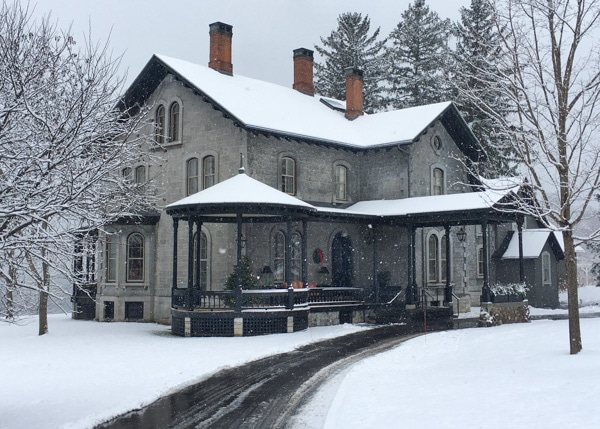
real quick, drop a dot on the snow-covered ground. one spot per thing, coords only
(83, 373)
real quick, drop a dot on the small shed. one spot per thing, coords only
(543, 264)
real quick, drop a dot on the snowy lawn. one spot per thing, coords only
(83, 373)
(512, 376)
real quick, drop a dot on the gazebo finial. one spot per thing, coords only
(241, 170)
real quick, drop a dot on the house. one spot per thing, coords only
(312, 190)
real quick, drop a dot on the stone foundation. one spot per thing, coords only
(493, 314)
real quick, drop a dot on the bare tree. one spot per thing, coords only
(63, 146)
(550, 75)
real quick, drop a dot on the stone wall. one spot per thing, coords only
(494, 314)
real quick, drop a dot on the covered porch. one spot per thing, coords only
(243, 200)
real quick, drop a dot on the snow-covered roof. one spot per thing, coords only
(534, 241)
(268, 107)
(240, 189)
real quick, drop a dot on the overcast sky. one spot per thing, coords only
(265, 32)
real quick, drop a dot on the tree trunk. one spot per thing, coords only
(573, 300)
(43, 304)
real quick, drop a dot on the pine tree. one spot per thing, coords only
(477, 51)
(350, 45)
(416, 57)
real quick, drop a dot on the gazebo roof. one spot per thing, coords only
(239, 194)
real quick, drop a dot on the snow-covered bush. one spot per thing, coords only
(513, 290)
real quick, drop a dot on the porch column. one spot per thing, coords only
(375, 265)
(448, 289)
(521, 266)
(197, 261)
(304, 253)
(485, 292)
(411, 288)
(238, 288)
(288, 253)
(175, 227)
(190, 271)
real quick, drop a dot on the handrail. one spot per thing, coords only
(457, 303)
(394, 298)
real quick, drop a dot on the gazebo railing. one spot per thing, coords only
(332, 295)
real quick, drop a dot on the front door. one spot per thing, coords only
(342, 268)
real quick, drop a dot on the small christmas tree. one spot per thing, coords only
(249, 279)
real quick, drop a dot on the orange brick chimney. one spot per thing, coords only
(220, 47)
(303, 71)
(354, 93)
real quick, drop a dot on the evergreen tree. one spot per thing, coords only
(350, 45)
(416, 57)
(477, 52)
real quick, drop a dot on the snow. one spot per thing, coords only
(269, 107)
(83, 373)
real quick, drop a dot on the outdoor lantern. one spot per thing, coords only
(461, 234)
(266, 272)
(323, 271)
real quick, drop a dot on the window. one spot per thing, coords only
(279, 257)
(202, 260)
(174, 122)
(135, 258)
(546, 273)
(341, 177)
(288, 176)
(432, 259)
(436, 142)
(208, 171)
(480, 264)
(192, 176)
(134, 311)
(159, 124)
(437, 187)
(111, 259)
(140, 174)
(437, 259)
(128, 174)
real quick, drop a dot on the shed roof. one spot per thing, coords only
(534, 241)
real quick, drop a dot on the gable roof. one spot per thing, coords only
(268, 108)
(534, 241)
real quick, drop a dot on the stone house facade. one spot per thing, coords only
(199, 141)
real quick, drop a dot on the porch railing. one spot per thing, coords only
(267, 298)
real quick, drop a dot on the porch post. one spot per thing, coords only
(238, 288)
(485, 292)
(190, 272)
(411, 288)
(197, 262)
(448, 289)
(521, 266)
(375, 259)
(304, 253)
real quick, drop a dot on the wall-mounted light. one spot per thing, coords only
(461, 234)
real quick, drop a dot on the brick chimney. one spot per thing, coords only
(354, 93)
(220, 47)
(303, 71)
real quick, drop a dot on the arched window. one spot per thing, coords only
(111, 258)
(159, 124)
(202, 283)
(443, 258)
(128, 174)
(546, 271)
(279, 257)
(288, 176)
(140, 174)
(208, 171)
(174, 122)
(437, 186)
(192, 176)
(135, 258)
(341, 183)
(432, 259)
